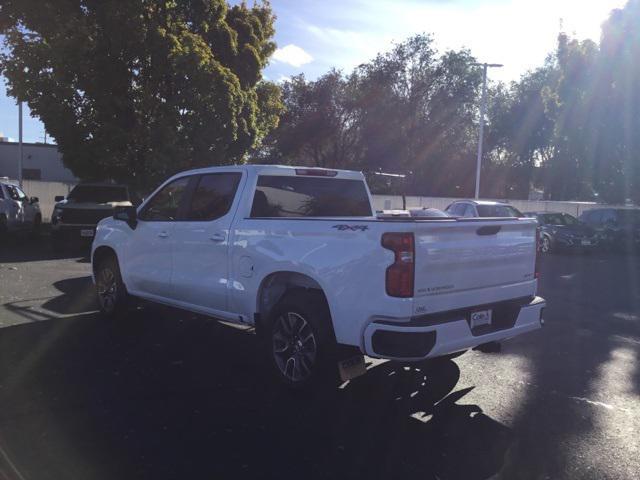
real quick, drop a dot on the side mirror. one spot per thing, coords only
(126, 214)
(58, 198)
(34, 200)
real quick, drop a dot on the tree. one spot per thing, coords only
(316, 127)
(520, 132)
(407, 110)
(137, 90)
(416, 112)
(574, 102)
(617, 167)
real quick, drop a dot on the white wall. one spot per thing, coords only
(45, 158)
(387, 202)
(46, 192)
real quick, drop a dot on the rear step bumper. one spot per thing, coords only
(441, 334)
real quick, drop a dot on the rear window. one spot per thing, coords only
(280, 196)
(98, 194)
(498, 211)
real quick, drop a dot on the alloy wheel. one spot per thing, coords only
(107, 289)
(546, 245)
(294, 347)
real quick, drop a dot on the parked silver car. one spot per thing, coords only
(482, 208)
(17, 211)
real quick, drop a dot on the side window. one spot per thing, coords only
(454, 209)
(21, 194)
(460, 210)
(15, 193)
(164, 205)
(213, 196)
(468, 211)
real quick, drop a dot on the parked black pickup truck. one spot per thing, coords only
(75, 217)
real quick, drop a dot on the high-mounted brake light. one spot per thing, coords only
(399, 276)
(316, 172)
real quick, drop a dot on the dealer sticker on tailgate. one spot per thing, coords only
(482, 317)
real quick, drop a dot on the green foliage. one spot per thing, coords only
(519, 133)
(137, 90)
(617, 163)
(316, 126)
(408, 110)
(570, 127)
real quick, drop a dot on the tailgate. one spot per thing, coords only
(473, 262)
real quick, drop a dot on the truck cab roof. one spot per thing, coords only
(283, 170)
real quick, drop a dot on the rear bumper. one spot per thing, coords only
(436, 335)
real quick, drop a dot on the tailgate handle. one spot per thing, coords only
(488, 230)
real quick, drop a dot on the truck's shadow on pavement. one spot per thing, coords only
(163, 395)
(20, 248)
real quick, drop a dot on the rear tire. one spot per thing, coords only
(545, 245)
(113, 298)
(299, 342)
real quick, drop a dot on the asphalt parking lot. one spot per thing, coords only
(164, 394)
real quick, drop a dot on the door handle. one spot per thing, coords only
(163, 234)
(218, 237)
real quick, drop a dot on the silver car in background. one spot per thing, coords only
(17, 211)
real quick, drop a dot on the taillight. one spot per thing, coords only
(399, 276)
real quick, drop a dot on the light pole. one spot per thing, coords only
(483, 110)
(20, 144)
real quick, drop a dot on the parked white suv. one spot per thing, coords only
(299, 254)
(17, 211)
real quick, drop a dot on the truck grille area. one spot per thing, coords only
(84, 217)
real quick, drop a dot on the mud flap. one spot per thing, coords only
(351, 367)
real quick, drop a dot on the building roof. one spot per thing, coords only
(30, 144)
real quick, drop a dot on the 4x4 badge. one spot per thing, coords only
(352, 228)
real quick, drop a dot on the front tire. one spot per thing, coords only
(299, 340)
(545, 244)
(113, 298)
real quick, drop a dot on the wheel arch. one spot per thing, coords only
(99, 254)
(275, 285)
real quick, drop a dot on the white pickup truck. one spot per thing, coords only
(300, 254)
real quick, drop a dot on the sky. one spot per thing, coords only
(316, 35)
